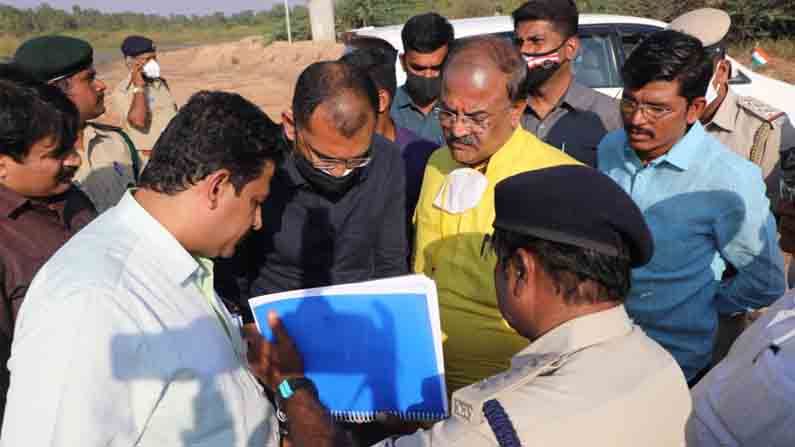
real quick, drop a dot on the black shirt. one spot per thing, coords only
(578, 123)
(307, 240)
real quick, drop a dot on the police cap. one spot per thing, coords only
(135, 45)
(574, 205)
(709, 25)
(50, 58)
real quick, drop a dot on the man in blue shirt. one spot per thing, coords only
(716, 248)
(426, 41)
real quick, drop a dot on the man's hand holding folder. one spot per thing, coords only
(305, 421)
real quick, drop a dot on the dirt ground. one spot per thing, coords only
(265, 75)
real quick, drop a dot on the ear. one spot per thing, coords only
(516, 112)
(695, 109)
(4, 161)
(383, 101)
(288, 124)
(213, 188)
(570, 48)
(525, 266)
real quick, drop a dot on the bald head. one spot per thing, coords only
(479, 58)
(348, 96)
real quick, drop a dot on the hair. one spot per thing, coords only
(333, 83)
(562, 14)
(569, 266)
(426, 33)
(498, 52)
(669, 56)
(213, 131)
(31, 111)
(376, 63)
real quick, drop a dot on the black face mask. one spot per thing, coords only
(423, 90)
(329, 186)
(541, 66)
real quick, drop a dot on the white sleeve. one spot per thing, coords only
(73, 361)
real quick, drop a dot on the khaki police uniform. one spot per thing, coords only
(752, 129)
(162, 109)
(596, 380)
(110, 165)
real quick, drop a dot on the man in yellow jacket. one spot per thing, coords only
(484, 93)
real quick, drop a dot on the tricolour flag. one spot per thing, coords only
(759, 57)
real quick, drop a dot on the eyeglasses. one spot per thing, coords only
(477, 122)
(652, 112)
(326, 163)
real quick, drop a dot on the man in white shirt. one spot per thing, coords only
(122, 340)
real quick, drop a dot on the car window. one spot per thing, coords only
(630, 40)
(594, 65)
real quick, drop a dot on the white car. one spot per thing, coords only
(606, 42)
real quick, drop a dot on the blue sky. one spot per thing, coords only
(164, 7)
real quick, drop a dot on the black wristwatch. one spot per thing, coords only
(284, 392)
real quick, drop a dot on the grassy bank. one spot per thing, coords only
(109, 41)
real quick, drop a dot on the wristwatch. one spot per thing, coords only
(289, 386)
(285, 391)
(137, 89)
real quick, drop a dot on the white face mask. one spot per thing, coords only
(152, 69)
(712, 92)
(461, 191)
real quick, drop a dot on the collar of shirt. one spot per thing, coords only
(577, 334)
(403, 99)
(679, 156)
(11, 202)
(726, 115)
(175, 261)
(577, 97)
(504, 156)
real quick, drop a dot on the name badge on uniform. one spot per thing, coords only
(461, 191)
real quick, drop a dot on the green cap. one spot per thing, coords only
(50, 58)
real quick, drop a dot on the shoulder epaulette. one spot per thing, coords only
(760, 109)
(468, 402)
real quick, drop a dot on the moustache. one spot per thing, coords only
(66, 174)
(467, 140)
(640, 130)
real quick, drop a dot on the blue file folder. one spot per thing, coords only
(370, 347)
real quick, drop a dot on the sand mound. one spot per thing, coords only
(264, 74)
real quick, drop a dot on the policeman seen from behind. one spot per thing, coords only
(561, 111)
(561, 280)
